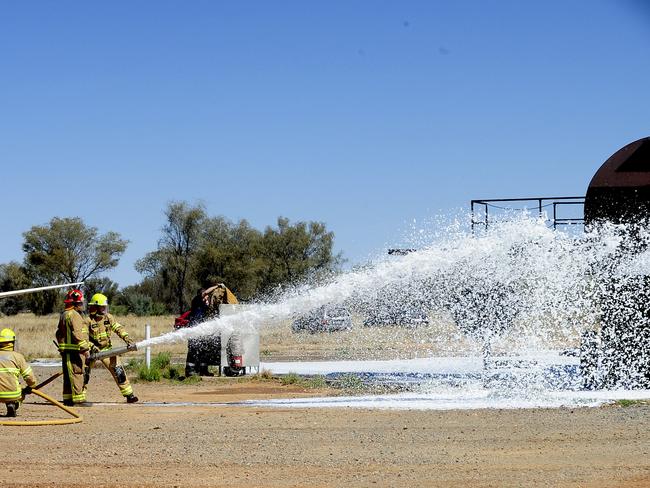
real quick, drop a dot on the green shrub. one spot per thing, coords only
(158, 308)
(291, 379)
(149, 374)
(133, 364)
(174, 372)
(317, 381)
(161, 367)
(266, 374)
(161, 360)
(120, 310)
(630, 403)
(190, 380)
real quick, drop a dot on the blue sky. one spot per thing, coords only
(364, 115)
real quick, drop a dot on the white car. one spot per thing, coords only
(324, 319)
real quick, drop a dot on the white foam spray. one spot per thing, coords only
(519, 274)
(540, 288)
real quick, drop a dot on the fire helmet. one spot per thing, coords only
(7, 335)
(99, 300)
(74, 296)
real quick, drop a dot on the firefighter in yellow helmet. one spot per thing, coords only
(100, 327)
(12, 367)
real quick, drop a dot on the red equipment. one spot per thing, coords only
(74, 296)
(182, 321)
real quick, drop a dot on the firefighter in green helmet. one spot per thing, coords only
(101, 325)
(12, 367)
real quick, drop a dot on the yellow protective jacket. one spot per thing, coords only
(12, 367)
(72, 332)
(100, 328)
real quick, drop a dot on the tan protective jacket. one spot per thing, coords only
(100, 328)
(218, 294)
(12, 367)
(72, 332)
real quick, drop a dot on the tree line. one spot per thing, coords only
(195, 250)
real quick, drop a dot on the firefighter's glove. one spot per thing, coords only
(27, 390)
(129, 341)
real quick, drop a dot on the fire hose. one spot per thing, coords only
(76, 418)
(118, 351)
(99, 355)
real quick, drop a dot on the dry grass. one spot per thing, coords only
(441, 338)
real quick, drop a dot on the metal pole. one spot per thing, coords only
(472, 204)
(147, 351)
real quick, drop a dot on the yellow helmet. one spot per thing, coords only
(7, 335)
(99, 300)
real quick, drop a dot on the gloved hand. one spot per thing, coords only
(129, 341)
(27, 390)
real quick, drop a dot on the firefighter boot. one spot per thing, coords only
(131, 398)
(12, 407)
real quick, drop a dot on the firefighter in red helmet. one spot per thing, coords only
(72, 338)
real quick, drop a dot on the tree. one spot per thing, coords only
(294, 252)
(198, 251)
(180, 239)
(103, 285)
(13, 277)
(68, 250)
(229, 253)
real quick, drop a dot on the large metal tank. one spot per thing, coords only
(617, 354)
(620, 190)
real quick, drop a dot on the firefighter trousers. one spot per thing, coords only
(114, 366)
(73, 364)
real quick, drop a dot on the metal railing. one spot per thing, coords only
(540, 204)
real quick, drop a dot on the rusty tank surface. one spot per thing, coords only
(619, 192)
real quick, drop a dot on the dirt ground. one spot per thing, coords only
(140, 445)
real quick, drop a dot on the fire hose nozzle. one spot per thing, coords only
(118, 351)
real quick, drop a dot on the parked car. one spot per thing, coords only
(410, 317)
(324, 319)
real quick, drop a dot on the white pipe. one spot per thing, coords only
(32, 290)
(147, 353)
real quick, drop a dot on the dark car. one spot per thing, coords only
(324, 319)
(413, 316)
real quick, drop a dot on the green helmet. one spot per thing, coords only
(99, 300)
(7, 335)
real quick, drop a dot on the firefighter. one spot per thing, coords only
(12, 367)
(101, 325)
(72, 338)
(195, 362)
(206, 350)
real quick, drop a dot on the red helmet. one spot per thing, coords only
(74, 296)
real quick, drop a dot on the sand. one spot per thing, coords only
(120, 445)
